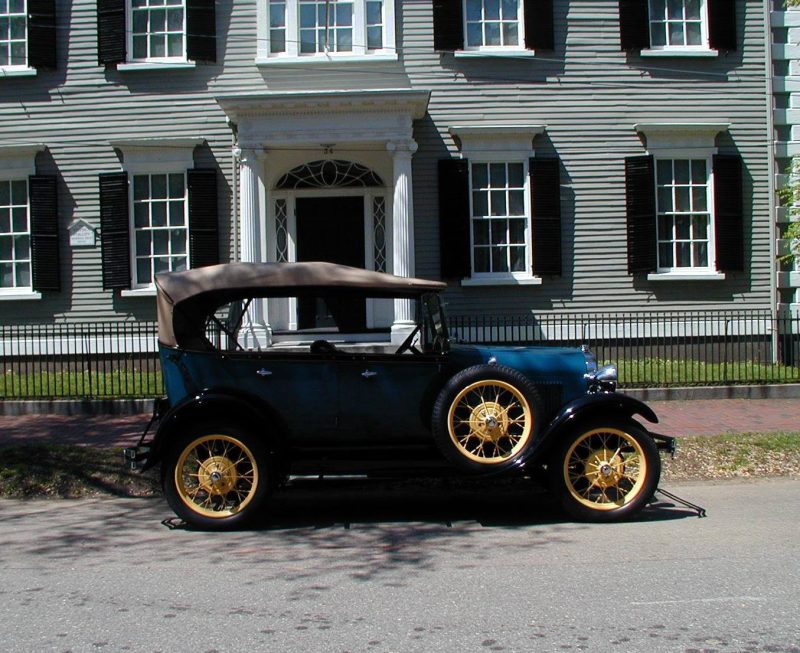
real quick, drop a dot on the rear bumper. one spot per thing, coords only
(135, 458)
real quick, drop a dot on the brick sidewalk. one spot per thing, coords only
(678, 418)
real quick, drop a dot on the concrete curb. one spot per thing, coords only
(89, 407)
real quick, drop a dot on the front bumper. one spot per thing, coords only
(665, 443)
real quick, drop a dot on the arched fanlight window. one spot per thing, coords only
(329, 174)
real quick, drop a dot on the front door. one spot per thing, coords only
(331, 229)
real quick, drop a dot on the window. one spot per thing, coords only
(493, 23)
(27, 36)
(161, 237)
(337, 28)
(677, 23)
(678, 27)
(484, 26)
(158, 215)
(685, 238)
(499, 211)
(158, 32)
(685, 212)
(158, 29)
(500, 238)
(15, 235)
(13, 33)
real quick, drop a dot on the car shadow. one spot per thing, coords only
(335, 504)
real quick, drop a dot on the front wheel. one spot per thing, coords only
(605, 472)
(216, 478)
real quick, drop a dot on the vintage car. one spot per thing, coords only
(334, 397)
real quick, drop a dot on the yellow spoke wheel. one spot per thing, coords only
(608, 471)
(216, 476)
(490, 421)
(485, 418)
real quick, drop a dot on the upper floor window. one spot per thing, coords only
(493, 23)
(27, 36)
(475, 27)
(158, 30)
(339, 28)
(678, 27)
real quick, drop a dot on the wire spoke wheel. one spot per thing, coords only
(216, 476)
(490, 421)
(606, 468)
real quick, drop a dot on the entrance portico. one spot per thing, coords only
(297, 149)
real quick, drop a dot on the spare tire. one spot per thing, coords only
(486, 418)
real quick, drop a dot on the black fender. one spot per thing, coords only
(216, 404)
(588, 408)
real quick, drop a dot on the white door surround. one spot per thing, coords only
(278, 131)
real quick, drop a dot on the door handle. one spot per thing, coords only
(264, 373)
(368, 374)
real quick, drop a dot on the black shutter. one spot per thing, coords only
(203, 219)
(634, 24)
(448, 25)
(722, 24)
(110, 31)
(44, 232)
(728, 212)
(201, 31)
(42, 34)
(640, 209)
(545, 176)
(454, 218)
(114, 230)
(539, 25)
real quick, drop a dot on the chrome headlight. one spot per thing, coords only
(591, 361)
(604, 379)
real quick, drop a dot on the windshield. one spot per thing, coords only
(434, 326)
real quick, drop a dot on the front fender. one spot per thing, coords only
(593, 406)
(209, 406)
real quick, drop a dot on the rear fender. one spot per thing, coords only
(216, 406)
(592, 408)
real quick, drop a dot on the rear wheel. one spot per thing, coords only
(606, 472)
(216, 478)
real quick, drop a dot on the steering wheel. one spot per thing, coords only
(408, 342)
(322, 347)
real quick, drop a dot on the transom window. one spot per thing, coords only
(312, 27)
(158, 29)
(678, 23)
(13, 33)
(499, 218)
(493, 23)
(15, 235)
(684, 216)
(160, 225)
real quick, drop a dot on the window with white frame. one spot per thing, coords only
(307, 28)
(15, 235)
(685, 223)
(499, 218)
(678, 24)
(493, 24)
(158, 29)
(160, 225)
(13, 33)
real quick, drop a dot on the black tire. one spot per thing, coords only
(605, 471)
(486, 418)
(216, 477)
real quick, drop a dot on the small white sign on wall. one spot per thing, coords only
(81, 234)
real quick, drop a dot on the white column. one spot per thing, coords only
(402, 232)
(255, 331)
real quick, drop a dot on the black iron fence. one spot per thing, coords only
(120, 359)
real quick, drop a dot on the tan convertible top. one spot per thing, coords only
(185, 299)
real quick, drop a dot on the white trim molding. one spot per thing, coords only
(19, 161)
(681, 140)
(496, 141)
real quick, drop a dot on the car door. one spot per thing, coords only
(386, 399)
(301, 388)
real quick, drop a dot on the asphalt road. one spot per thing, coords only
(415, 568)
